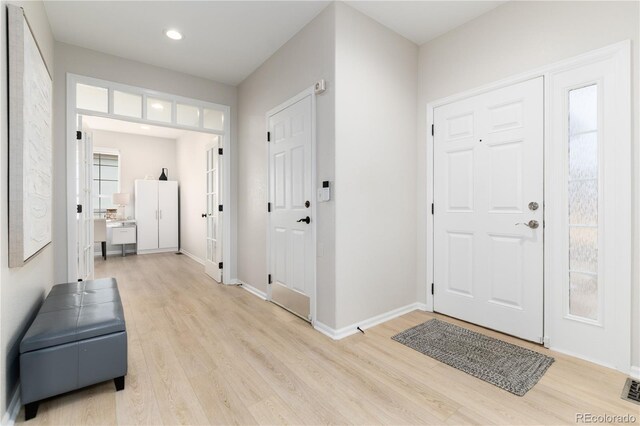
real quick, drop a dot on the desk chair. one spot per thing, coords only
(100, 235)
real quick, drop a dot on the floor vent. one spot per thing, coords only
(631, 391)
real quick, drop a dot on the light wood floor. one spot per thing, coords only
(203, 353)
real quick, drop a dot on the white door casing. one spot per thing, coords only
(488, 168)
(291, 228)
(213, 238)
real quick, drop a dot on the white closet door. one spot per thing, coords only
(147, 214)
(168, 214)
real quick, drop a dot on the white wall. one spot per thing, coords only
(191, 164)
(306, 58)
(376, 95)
(512, 39)
(21, 289)
(76, 60)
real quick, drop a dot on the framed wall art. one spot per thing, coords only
(30, 143)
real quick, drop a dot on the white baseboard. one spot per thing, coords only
(422, 307)
(13, 409)
(192, 256)
(635, 372)
(251, 289)
(349, 330)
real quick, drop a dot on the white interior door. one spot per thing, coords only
(84, 216)
(291, 238)
(213, 242)
(168, 214)
(146, 204)
(488, 217)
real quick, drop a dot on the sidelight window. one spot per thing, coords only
(583, 202)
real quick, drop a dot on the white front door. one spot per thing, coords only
(213, 259)
(291, 239)
(488, 209)
(84, 216)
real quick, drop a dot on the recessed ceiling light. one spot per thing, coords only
(157, 105)
(173, 34)
(145, 127)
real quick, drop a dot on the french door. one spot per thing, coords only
(488, 209)
(84, 211)
(213, 261)
(291, 237)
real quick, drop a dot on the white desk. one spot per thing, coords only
(122, 232)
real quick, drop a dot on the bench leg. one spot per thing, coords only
(30, 410)
(103, 245)
(119, 382)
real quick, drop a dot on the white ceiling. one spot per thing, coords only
(226, 41)
(223, 40)
(421, 21)
(121, 126)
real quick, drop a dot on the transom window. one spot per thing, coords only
(125, 102)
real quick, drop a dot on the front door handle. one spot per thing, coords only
(533, 224)
(306, 220)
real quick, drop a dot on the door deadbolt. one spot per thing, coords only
(533, 206)
(307, 204)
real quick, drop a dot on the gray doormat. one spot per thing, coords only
(510, 367)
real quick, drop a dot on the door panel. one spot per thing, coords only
(214, 217)
(290, 186)
(167, 214)
(146, 204)
(488, 166)
(84, 220)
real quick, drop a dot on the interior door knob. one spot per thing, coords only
(533, 224)
(306, 220)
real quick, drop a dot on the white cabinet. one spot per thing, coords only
(156, 208)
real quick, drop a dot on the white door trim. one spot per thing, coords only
(620, 50)
(309, 92)
(228, 256)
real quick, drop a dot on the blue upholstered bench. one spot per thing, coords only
(78, 338)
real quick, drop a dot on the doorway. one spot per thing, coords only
(129, 209)
(291, 238)
(141, 109)
(586, 213)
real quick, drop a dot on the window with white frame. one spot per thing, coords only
(106, 173)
